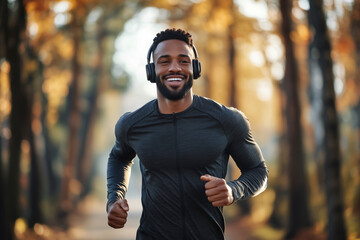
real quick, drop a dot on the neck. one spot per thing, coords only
(167, 106)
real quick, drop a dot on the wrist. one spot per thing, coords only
(109, 205)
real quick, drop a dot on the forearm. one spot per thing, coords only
(251, 182)
(118, 174)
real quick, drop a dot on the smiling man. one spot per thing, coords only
(183, 142)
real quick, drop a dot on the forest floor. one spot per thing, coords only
(89, 222)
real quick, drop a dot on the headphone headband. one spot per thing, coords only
(149, 53)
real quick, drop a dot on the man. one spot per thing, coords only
(183, 142)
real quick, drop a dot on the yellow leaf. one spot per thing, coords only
(20, 226)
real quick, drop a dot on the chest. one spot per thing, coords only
(192, 142)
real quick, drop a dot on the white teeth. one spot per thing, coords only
(173, 79)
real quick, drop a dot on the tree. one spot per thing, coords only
(3, 27)
(322, 47)
(298, 203)
(36, 178)
(14, 24)
(74, 115)
(355, 30)
(81, 122)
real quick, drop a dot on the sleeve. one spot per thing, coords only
(248, 158)
(119, 164)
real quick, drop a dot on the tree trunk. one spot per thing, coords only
(355, 30)
(66, 195)
(3, 180)
(85, 159)
(3, 27)
(277, 216)
(232, 62)
(17, 115)
(35, 212)
(321, 41)
(53, 181)
(298, 204)
(3, 219)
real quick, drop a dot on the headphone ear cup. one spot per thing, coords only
(150, 72)
(196, 68)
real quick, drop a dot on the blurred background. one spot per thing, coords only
(69, 69)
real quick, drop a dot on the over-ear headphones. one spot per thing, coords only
(150, 67)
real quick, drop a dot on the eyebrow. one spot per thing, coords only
(180, 55)
(167, 56)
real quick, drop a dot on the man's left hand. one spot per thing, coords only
(217, 191)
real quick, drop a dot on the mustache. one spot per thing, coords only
(174, 74)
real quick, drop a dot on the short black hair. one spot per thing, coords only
(172, 33)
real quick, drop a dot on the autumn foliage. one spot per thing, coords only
(293, 71)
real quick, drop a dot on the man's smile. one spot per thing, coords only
(174, 81)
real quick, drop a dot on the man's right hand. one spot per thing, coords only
(117, 214)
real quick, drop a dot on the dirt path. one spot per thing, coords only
(91, 224)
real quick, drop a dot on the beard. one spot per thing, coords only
(175, 94)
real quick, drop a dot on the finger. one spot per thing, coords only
(220, 194)
(117, 221)
(124, 204)
(216, 183)
(116, 224)
(219, 190)
(120, 204)
(220, 200)
(118, 216)
(119, 209)
(118, 212)
(220, 203)
(208, 178)
(217, 197)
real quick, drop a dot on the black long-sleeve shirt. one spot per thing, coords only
(174, 151)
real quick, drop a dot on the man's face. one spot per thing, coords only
(173, 68)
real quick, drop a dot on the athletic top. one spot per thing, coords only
(174, 151)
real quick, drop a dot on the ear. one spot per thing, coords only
(150, 72)
(196, 68)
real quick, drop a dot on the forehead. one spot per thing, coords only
(172, 47)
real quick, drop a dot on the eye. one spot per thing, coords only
(184, 61)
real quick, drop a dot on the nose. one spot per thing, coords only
(174, 67)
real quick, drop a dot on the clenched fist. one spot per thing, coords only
(217, 191)
(117, 214)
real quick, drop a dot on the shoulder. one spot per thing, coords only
(128, 119)
(219, 111)
(232, 119)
